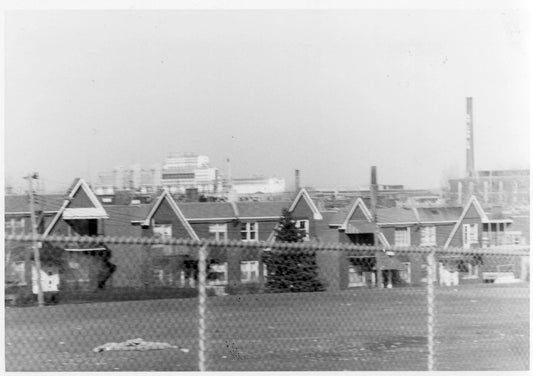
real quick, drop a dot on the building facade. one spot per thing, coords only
(507, 188)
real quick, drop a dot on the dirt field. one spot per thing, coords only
(478, 327)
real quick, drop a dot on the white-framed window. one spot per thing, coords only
(219, 231)
(470, 234)
(405, 272)
(304, 225)
(249, 231)
(14, 226)
(402, 236)
(428, 235)
(163, 231)
(355, 276)
(218, 274)
(249, 271)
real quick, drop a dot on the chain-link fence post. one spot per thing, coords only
(431, 301)
(202, 255)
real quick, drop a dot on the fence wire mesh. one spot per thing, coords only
(189, 305)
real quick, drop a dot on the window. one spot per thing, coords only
(14, 226)
(249, 231)
(470, 234)
(218, 274)
(428, 235)
(163, 231)
(219, 232)
(405, 272)
(249, 271)
(304, 225)
(402, 236)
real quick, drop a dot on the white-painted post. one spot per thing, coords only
(431, 306)
(202, 255)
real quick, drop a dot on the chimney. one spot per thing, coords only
(470, 168)
(373, 192)
(191, 194)
(297, 180)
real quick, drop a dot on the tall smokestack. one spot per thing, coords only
(297, 180)
(373, 191)
(470, 168)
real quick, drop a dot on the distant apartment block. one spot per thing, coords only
(189, 171)
(183, 174)
(128, 178)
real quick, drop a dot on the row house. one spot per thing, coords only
(93, 266)
(17, 221)
(242, 221)
(444, 227)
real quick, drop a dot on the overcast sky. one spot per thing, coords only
(327, 92)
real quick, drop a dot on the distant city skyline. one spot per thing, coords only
(327, 92)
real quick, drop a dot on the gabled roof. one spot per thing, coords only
(20, 204)
(472, 202)
(264, 209)
(96, 211)
(439, 214)
(128, 213)
(396, 215)
(303, 194)
(358, 203)
(337, 218)
(207, 210)
(165, 195)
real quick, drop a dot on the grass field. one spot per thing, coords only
(478, 327)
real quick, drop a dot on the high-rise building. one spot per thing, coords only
(189, 171)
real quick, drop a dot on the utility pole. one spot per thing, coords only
(35, 246)
(373, 205)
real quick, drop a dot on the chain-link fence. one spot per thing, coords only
(255, 306)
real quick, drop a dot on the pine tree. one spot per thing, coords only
(291, 270)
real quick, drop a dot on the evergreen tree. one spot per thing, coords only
(291, 270)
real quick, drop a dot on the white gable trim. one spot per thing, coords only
(383, 239)
(366, 212)
(83, 185)
(94, 200)
(165, 195)
(56, 218)
(303, 193)
(473, 201)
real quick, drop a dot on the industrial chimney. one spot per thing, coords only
(297, 180)
(470, 168)
(373, 191)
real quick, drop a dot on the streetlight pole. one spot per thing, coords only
(35, 246)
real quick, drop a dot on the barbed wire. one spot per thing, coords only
(300, 246)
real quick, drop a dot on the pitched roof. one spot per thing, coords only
(121, 218)
(165, 195)
(128, 213)
(96, 210)
(439, 214)
(21, 203)
(472, 202)
(262, 209)
(396, 215)
(357, 203)
(338, 217)
(206, 210)
(303, 194)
